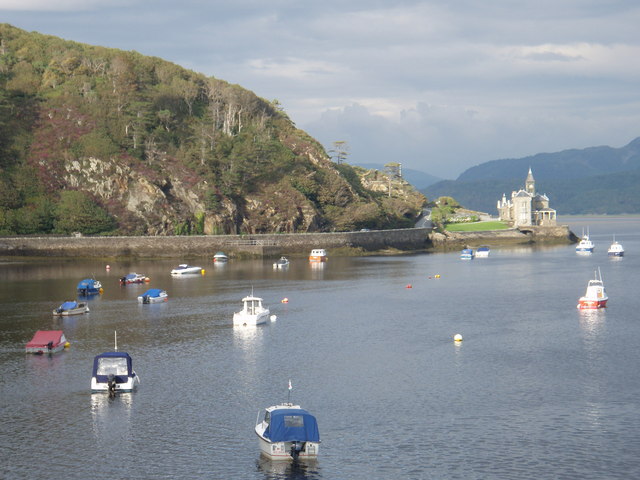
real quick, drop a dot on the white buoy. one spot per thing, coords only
(273, 318)
(457, 337)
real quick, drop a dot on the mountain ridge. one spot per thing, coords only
(594, 180)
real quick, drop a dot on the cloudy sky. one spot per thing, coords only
(437, 85)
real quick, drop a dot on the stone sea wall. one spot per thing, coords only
(271, 245)
(410, 239)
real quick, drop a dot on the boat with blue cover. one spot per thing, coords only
(89, 286)
(483, 251)
(71, 307)
(113, 372)
(153, 295)
(288, 432)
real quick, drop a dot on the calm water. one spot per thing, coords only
(537, 389)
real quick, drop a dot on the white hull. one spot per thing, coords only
(73, 311)
(186, 270)
(282, 450)
(246, 319)
(43, 350)
(129, 386)
(153, 299)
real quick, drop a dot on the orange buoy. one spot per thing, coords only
(409, 286)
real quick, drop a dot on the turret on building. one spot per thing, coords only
(526, 207)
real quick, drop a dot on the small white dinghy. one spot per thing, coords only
(287, 432)
(282, 263)
(185, 269)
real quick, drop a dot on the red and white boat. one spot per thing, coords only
(596, 296)
(47, 341)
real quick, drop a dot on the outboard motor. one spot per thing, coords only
(111, 385)
(296, 448)
(145, 299)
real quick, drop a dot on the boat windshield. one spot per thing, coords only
(112, 366)
(294, 421)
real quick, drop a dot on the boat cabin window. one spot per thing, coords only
(293, 421)
(267, 418)
(112, 366)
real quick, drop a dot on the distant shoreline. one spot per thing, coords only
(273, 245)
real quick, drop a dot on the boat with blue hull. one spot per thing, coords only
(585, 245)
(467, 254)
(616, 249)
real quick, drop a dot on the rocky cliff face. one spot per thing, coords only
(163, 150)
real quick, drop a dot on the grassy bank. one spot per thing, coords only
(476, 226)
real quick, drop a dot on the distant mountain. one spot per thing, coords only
(417, 178)
(593, 180)
(567, 164)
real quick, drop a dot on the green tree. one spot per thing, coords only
(76, 212)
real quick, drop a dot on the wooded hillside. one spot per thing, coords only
(99, 140)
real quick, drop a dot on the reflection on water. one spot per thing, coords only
(538, 388)
(592, 321)
(307, 469)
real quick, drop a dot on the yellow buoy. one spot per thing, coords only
(457, 337)
(67, 345)
(437, 275)
(202, 271)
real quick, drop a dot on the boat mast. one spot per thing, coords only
(115, 340)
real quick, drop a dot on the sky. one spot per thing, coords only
(436, 85)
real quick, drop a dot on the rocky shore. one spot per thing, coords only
(560, 234)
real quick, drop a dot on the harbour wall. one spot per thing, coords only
(268, 245)
(273, 245)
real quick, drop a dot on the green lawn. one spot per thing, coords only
(476, 226)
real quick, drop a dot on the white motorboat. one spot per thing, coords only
(287, 432)
(113, 372)
(585, 245)
(615, 250)
(596, 296)
(283, 262)
(318, 255)
(184, 269)
(133, 277)
(482, 252)
(71, 307)
(220, 257)
(252, 313)
(153, 295)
